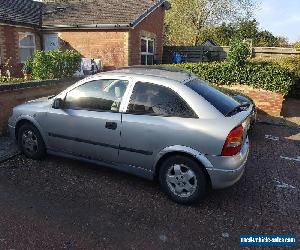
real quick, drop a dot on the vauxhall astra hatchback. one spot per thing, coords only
(157, 123)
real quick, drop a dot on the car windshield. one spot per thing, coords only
(222, 102)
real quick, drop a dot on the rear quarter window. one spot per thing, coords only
(152, 99)
(218, 99)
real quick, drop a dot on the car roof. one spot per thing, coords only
(167, 72)
(170, 77)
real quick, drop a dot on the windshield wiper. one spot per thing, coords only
(238, 109)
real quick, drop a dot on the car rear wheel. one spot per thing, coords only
(183, 179)
(31, 142)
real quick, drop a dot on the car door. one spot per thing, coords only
(150, 123)
(89, 125)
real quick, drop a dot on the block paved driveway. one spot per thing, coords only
(66, 204)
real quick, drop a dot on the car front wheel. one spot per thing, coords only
(31, 142)
(183, 179)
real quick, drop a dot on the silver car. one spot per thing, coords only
(155, 122)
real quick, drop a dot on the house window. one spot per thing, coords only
(51, 42)
(147, 51)
(26, 45)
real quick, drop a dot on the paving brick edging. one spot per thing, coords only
(14, 94)
(266, 101)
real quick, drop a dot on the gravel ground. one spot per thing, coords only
(65, 204)
(8, 148)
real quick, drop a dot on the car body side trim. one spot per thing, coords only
(82, 140)
(100, 144)
(139, 171)
(136, 151)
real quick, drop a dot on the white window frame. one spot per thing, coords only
(26, 47)
(147, 53)
(46, 36)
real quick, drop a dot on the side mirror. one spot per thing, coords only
(58, 103)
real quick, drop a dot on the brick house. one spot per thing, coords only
(20, 36)
(118, 32)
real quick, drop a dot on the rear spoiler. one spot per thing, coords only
(240, 117)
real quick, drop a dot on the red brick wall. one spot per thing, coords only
(153, 27)
(266, 101)
(110, 46)
(9, 46)
(12, 98)
(117, 48)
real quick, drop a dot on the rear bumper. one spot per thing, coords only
(228, 170)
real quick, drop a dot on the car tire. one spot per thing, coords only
(183, 179)
(31, 142)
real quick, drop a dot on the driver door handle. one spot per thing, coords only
(111, 125)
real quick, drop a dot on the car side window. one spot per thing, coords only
(151, 99)
(99, 95)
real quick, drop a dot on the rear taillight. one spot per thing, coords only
(233, 143)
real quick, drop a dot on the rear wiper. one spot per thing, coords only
(238, 109)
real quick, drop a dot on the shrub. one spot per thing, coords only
(5, 79)
(53, 64)
(264, 75)
(72, 61)
(238, 53)
(41, 65)
(290, 63)
(296, 45)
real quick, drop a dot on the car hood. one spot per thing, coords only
(37, 103)
(42, 99)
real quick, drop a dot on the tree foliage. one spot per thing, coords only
(297, 45)
(187, 19)
(225, 33)
(192, 22)
(239, 52)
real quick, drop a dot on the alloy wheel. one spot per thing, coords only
(30, 141)
(181, 180)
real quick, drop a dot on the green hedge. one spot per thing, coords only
(53, 64)
(292, 63)
(238, 53)
(268, 76)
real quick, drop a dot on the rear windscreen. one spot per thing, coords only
(219, 100)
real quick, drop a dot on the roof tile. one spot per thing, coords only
(25, 12)
(87, 12)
